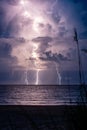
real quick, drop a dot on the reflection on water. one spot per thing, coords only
(39, 95)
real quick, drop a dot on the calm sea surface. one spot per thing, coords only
(39, 95)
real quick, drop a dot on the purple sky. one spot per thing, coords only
(36, 41)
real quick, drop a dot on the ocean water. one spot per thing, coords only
(40, 95)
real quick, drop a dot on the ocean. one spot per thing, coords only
(41, 95)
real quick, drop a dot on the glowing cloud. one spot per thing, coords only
(33, 22)
(37, 21)
(22, 2)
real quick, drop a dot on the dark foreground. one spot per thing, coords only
(43, 118)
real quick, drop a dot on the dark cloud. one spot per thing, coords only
(12, 28)
(63, 16)
(7, 61)
(54, 11)
(44, 43)
(8, 65)
(42, 39)
(11, 2)
(48, 27)
(5, 50)
(2, 21)
(62, 31)
(49, 56)
(45, 27)
(84, 50)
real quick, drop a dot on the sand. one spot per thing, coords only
(43, 117)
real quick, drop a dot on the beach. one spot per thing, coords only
(43, 117)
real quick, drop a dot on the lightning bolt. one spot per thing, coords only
(35, 55)
(37, 77)
(26, 77)
(58, 75)
(26, 13)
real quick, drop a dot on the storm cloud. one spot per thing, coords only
(35, 33)
(48, 56)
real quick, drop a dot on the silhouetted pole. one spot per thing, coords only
(79, 57)
(79, 64)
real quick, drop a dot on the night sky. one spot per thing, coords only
(37, 41)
